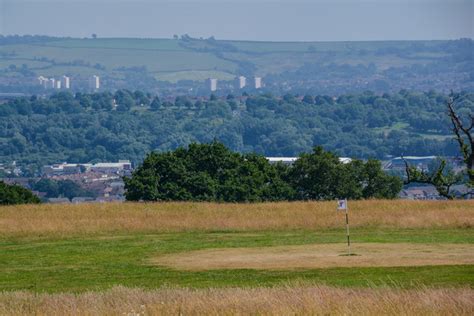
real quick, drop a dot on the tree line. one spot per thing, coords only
(212, 172)
(85, 127)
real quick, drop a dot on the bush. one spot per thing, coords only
(15, 194)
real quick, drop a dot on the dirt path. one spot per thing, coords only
(321, 256)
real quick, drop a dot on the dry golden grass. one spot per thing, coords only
(320, 256)
(169, 217)
(295, 300)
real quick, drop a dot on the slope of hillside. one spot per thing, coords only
(338, 65)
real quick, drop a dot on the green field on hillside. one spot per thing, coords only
(113, 58)
(172, 60)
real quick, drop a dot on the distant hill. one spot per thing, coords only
(315, 67)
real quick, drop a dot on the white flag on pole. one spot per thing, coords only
(342, 205)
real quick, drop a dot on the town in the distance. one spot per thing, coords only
(103, 182)
(80, 114)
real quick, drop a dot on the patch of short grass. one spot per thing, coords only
(316, 256)
(102, 261)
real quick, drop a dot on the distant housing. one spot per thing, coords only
(285, 160)
(421, 162)
(73, 168)
(291, 160)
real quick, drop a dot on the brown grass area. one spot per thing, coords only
(168, 217)
(321, 256)
(296, 300)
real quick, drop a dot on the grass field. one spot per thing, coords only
(412, 258)
(170, 60)
(196, 75)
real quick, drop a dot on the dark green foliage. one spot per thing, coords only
(15, 194)
(214, 173)
(308, 99)
(87, 127)
(321, 176)
(61, 188)
(124, 100)
(207, 173)
(155, 104)
(376, 183)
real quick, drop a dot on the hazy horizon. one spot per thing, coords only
(258, 20)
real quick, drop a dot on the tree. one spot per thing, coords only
(377, 184)
(124, 100)
(211, 172)
(321, 176)
(70, 189)
(15, 194)
(61, 188)
(308, 99)
(440, 177)
(462, 131)
(48, 186)
(61, 127)
(155, 104)
(206, 172)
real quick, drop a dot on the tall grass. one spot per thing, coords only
(294, 300)
(48, 219)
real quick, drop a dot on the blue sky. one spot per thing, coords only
(276, 20)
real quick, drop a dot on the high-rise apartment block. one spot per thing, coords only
(51, 83)
(65, 82)
(241, 82)
(212, 84)
(94, 82)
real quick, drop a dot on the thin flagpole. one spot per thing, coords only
(347, 229)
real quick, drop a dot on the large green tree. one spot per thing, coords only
(15, 194)
(207, 172)
(211, 172)
(320, 175)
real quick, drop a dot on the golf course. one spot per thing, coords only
(406, 257)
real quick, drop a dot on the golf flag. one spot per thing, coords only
(342, 205)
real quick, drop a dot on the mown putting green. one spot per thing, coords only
(312, 256)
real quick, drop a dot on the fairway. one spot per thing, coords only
(171, 60)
